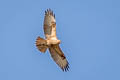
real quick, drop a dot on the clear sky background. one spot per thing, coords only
(89, 31)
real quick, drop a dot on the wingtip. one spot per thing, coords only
(49, 12)
(66, 68)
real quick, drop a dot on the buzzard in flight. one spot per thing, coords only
(51, 41)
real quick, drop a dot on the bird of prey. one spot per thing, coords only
(51, 41)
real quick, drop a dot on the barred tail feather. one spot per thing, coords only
(41, 44)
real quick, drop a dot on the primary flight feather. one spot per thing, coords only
(51, 41)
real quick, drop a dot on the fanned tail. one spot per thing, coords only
(41, 44)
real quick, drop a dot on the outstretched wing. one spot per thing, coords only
(59, 57)
(49, 24)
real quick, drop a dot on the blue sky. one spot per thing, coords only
(89, 31)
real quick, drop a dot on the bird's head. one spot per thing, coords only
(59, 41)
